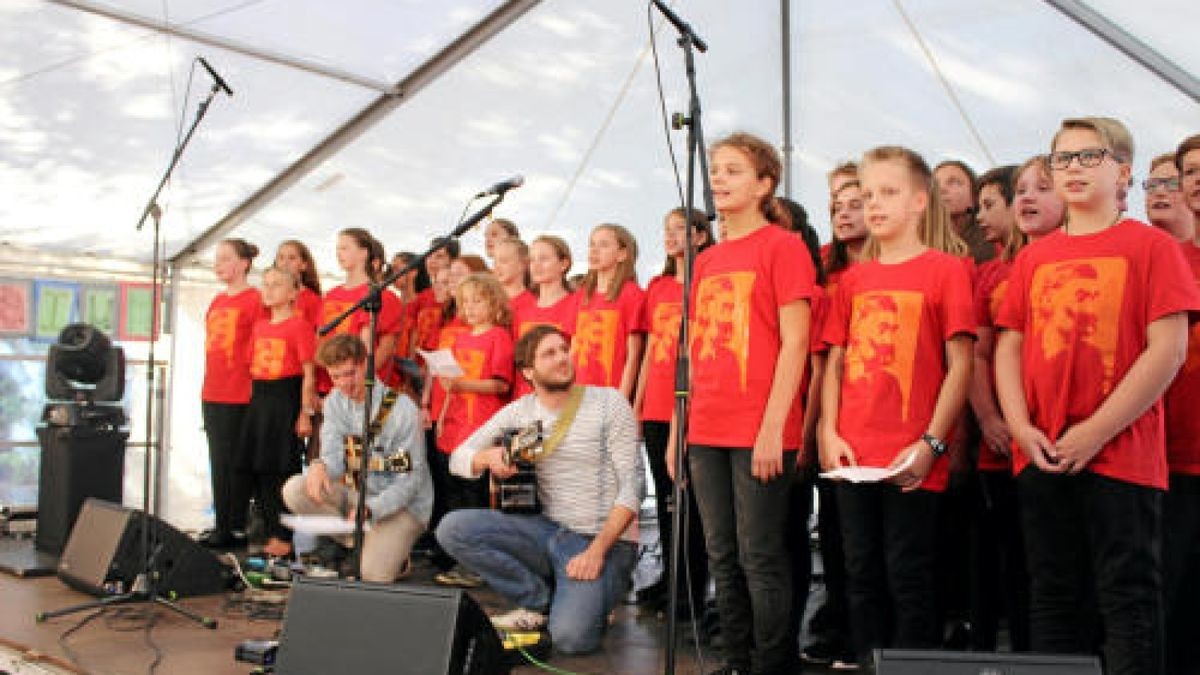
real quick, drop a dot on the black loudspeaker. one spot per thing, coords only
(921, 662)
(77, 462)
(335, 626)
(104, 554)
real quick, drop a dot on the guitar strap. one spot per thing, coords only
(381, 415)
(563, 424)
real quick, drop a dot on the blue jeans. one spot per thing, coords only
(524, 558)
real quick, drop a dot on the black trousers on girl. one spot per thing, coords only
(696, 558)
(999, 579)
(230, 489)
(890, 545)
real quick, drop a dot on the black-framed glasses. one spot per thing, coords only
(1170, 184)
(1088, 158)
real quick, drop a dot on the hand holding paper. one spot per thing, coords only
(868, 474)
(441, 363)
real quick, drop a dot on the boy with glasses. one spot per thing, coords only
(1094, 329)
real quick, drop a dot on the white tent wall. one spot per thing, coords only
(90, 108)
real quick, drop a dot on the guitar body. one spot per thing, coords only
(519, 493)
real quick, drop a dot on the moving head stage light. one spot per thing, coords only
(85, 379)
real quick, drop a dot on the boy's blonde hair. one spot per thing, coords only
(1112, 134)
(487, 286)
(936, 229)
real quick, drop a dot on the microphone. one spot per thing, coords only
(216, 78)
(503, 186)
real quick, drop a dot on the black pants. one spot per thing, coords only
(267, 489)
(796, 535)
(889, 538)
(694, 556)
(744, 523)
(999, 579)
(450, 493)
(1181, 573)
(1094, 542)
(230, 487)
(831, 622)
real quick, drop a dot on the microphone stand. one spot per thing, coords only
(145, 585)
(371, 303)
(688, 41)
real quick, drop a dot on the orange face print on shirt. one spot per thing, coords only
(883, 338)
(722, 322)
(332, 309)
(664, 331)
(1078, 302)
(996, 299)
(596, 339)
(221, 330)
(472, 362)
(267, 363)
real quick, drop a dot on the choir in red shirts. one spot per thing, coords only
(894, 321)
(1083, 303)
(228, 324)
(738, 288)
(602, 328)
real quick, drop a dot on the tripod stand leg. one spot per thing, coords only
(85, 606)
(207, 622)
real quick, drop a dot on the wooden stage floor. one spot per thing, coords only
(118, 643)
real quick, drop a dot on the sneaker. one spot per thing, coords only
(519, 619)
(847, 665)
(459, 577)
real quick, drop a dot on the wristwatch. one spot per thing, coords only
(936, 444)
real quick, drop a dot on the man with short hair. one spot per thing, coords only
(567, 566)
(399, 491)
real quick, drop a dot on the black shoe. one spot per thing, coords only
(222, 540)
(653, 594)
(821, 653)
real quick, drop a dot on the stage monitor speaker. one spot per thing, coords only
(77, 462)
(104, 555)
(336, 626)
(930, 662)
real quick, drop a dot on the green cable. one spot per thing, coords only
(544, 666)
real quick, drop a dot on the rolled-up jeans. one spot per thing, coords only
(524, 558)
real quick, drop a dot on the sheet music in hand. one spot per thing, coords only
(867, 474)
(441, 363)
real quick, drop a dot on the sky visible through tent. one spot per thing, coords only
(90, 108)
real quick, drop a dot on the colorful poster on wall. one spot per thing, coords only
(137, 311)
(98, 307)
(16, 307)
(55, 302)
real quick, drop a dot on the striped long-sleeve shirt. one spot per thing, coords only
(595, 467)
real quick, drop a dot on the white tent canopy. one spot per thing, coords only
(94, 94)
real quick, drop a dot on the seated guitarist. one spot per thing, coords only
(399, 489)
(568, 566)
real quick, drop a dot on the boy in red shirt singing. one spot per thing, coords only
(1094, 328)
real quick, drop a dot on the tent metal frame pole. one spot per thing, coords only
(374, 112)
(785, 21)
(201, 37)
(1123, 41)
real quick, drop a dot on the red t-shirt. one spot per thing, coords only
(428, 320)
(446, 336)
(340, 299)
(601, 337)
(408, 321)
(488, 356)
(526, 314)
(738, 288)
(894, 321)
(1181, 400)
(308, 306)
(991, 283)
(228, 324)
(280, 350)
(664, 309)
(1084, 303)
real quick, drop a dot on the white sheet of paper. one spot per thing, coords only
(319, 524)
(867, 474)
(441, 363)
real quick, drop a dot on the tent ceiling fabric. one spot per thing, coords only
(89, 108)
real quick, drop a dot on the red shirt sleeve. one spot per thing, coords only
(1171, 287)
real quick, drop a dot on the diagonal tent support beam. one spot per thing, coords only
(1129, 45)
(377, 110)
